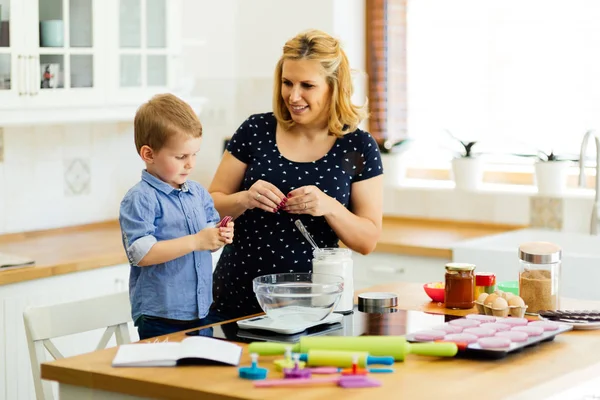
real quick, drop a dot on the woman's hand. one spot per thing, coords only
(309, 200)
(264, 195)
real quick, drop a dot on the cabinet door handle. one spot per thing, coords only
(22, 74)
(37, 73)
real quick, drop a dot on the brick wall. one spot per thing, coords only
(386, 68)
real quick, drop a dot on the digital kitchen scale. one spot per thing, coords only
(286, 327)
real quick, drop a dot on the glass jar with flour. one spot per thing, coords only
(336, 261)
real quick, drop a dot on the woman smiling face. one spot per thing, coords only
(306, 93)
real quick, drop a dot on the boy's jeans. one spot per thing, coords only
(149, 327)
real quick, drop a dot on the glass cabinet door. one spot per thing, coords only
(143, 44)
(13, 59)
(65, 44)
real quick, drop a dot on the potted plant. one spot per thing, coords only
(551, 172)
(394, 161)
(467, 167)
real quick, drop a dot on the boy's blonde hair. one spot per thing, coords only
(162, 117)
(344, 116)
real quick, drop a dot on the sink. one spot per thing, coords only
(580, 277)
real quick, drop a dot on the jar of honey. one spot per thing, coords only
(460, 284)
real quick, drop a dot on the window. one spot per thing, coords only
(515, 75)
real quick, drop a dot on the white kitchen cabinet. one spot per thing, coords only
(380, 268)
(67, 61)
(144, 49)
(16, 382)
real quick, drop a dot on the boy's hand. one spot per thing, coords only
(210, 239)
(226, 232)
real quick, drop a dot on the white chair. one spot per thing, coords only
(112, 312)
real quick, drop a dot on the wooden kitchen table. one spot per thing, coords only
(537, 372)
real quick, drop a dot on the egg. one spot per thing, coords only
(516, 301)
(490, 299)
(499, 303)
(482, 297)
(499, 292)
(508, 295)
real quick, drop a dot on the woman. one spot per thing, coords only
(306, 160)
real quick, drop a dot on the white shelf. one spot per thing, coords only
(73, 115)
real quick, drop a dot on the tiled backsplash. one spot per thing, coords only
(496, 205)
(546, 212)
(55, 176)
(63, 175)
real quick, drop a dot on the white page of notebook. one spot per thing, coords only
(210, 349)
(166, 354)
(147, 354)
(11, 260)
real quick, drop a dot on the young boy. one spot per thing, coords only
(168, 223)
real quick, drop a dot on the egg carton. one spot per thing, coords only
(503, 304)
(513, 311)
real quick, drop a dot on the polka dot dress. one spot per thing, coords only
(269, 243)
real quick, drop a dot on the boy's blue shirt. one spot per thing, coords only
(153, 211)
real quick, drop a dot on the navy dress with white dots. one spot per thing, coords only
(269, 243)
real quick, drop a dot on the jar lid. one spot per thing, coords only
(540, 252)
(485, 279)
(377, 299)
(454, 266)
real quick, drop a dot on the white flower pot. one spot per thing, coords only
(551, 177)
(394, 168)
(467, 173)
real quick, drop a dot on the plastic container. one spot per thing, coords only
(459, 285)
(337, 261)
(485, 282)
(509, 286)
(298, 297)
(539, 275)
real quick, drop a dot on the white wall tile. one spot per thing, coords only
(4, 193)
(19, 171)
(510, 209)
(49, 142)
(404, 202)
(78, 141)
(578, 213)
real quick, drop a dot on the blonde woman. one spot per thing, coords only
(306, 160)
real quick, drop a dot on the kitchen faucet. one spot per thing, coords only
(586, 139)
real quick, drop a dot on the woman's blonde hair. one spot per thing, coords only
(344, 116)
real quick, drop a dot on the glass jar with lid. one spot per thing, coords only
(337, 261)
(459, 285)
(539, 275)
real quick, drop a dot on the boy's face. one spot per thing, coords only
(305, 91)
(175, 161)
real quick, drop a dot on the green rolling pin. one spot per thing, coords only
(395, 346)
(342, 359)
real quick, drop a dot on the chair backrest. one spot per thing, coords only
(112, 312)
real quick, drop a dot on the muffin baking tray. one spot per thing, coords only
(488, 337)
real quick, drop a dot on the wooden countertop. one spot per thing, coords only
(533, 373)
(64, 250)
(431, 238)
(80, 248)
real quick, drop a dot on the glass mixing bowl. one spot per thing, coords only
(298, 297)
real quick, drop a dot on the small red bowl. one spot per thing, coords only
(435, 293)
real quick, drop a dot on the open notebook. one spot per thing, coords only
(190, 351)
(9, 261)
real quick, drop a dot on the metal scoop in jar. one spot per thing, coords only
(305, 233)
